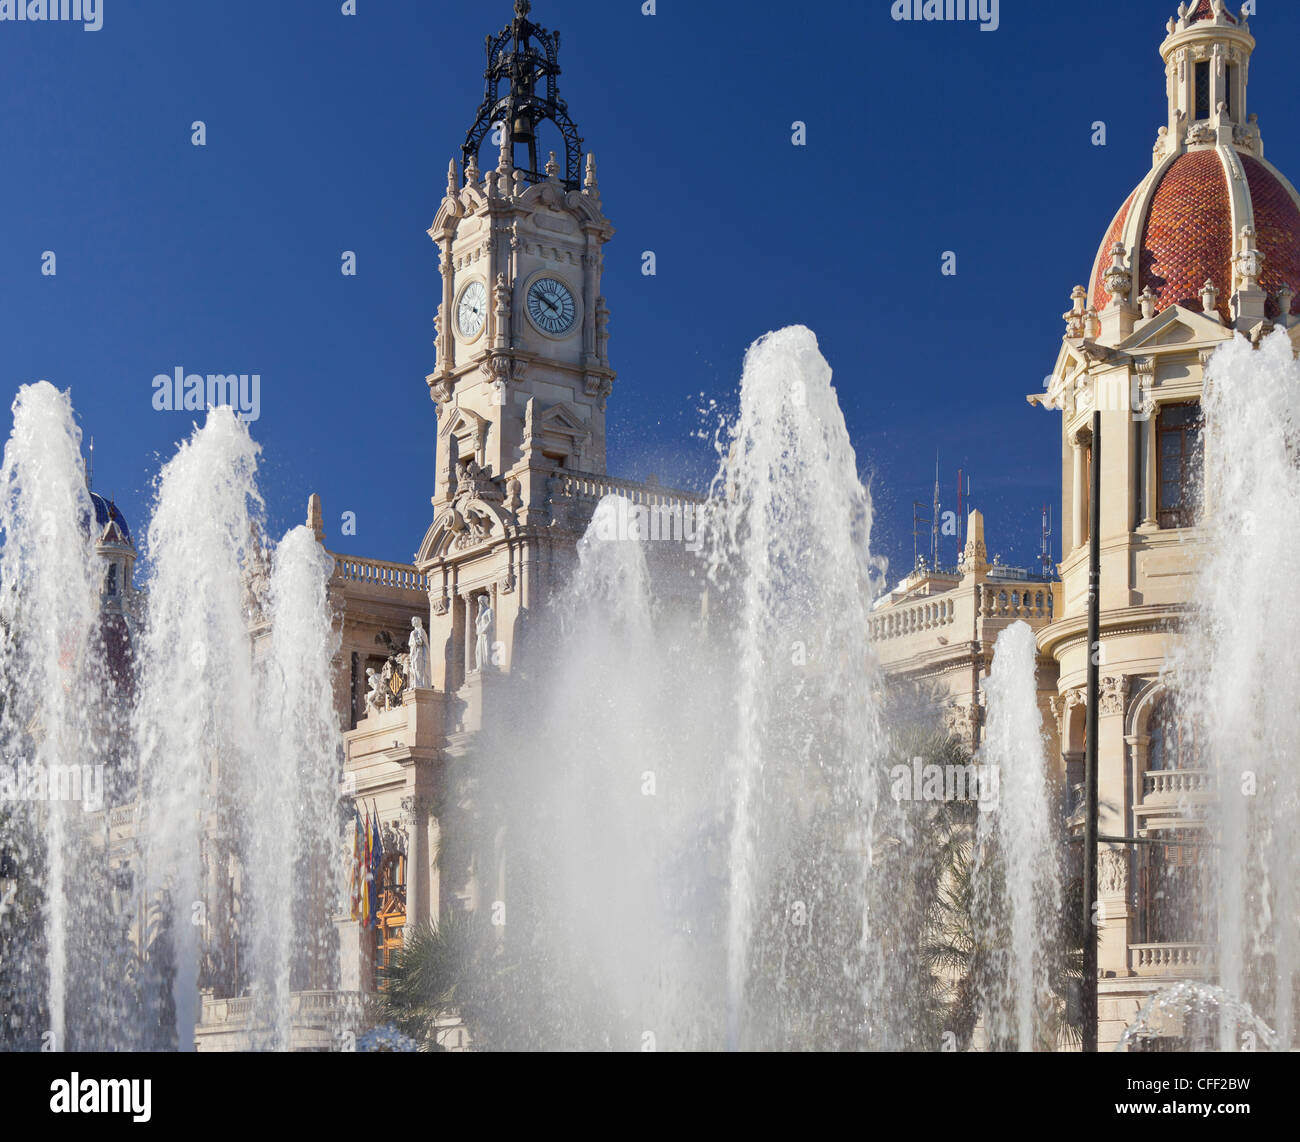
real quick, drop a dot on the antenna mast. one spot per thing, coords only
(1045, 550)
(934, 526)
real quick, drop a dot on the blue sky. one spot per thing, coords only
(329, 132)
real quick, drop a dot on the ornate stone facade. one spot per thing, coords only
(1206, 247)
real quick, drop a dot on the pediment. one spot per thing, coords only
(564, 419)
(1175, 327)
(462, 422)
(461, 527)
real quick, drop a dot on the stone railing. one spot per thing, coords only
(1171, 959)
(305, 1007)
(592, 486)
(1176, 783)
(391, 576)
(1033, 602)
(929, 614)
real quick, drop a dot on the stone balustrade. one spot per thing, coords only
(1171, 959)
(376, 572)
(593, 486)
(1174, 784)
(1032, 602)
(930, 614)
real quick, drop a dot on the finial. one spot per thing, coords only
(452, 179)
(1286, 298)
(471, 171)
(1117, 279)
(1250, 262)
(522, 8)
(590, 183)
(506, 161)
(316, 517)
(1148, 300)
(1210, 300)
(552, 167)
(1074, 315)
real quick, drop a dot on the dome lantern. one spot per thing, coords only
(1214, 227)
(1207, 63)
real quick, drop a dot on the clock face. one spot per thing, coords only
(551, 306)
(471, 313)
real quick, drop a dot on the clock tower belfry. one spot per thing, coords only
(522, 373)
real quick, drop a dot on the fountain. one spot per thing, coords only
(1234, 692)
(687, 792)
(195, 739)
(55, 733)
(290, 794)
(1195, 1015)
(1017, 874)
(231, 755)
(790, 560)
(683, 836)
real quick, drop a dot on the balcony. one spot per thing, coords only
(932, 614)
(319, 1021)
(1165, 786)
(1172, 798)
(1175, 960)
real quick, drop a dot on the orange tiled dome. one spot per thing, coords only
(1179, 228)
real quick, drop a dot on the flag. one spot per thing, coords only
(376, 867)
(367, 877)
(357, 872)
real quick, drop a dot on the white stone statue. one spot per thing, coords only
(418, 656)
(375, 695)
(483, 625)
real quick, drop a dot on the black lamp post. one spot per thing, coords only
(1089, 995)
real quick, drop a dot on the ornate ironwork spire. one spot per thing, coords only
(521, 92)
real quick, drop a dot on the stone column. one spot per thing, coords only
(1151, 472)
(1078, 496)
(589, 292)
(414, 811)
(1113, 862)
(433, 834)
(445, 333)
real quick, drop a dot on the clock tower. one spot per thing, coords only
(522, 372)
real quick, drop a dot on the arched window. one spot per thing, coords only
(1173, 739)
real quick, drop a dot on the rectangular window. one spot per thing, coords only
(1203, 90)
(1179, 461)
(1172, 885)
(1232, 86)
(1086, 498)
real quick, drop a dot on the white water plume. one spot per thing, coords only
(1017, 875)
(52, 670)
(1237, 698)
